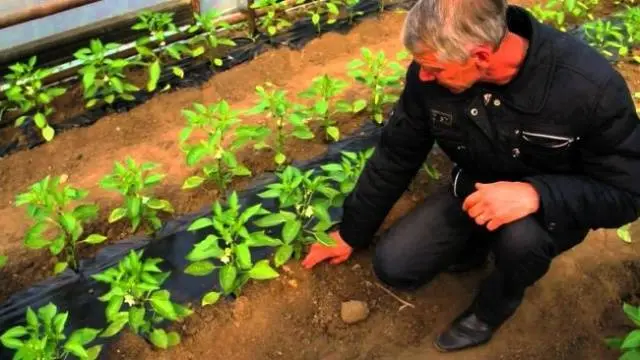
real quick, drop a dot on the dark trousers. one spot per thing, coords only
(439, 233)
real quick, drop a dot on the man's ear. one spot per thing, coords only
(482, 56)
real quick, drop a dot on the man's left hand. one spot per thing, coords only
(496, 204)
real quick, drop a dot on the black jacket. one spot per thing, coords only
(567, 124)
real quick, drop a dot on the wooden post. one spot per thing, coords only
(195, 5)
(41, 10)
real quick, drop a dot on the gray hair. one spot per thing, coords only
(450, 27)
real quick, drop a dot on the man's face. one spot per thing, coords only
(455, 76)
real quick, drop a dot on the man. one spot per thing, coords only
(546, 142)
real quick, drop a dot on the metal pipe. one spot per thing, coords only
(40, 10)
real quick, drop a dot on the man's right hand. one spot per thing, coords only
(338, 253)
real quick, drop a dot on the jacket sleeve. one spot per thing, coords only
(402, 148)
(607, 192)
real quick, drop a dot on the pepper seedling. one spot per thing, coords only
(134, 183)
(329, 7)
(103, 78)
(303, 198)
(628, 345)
(58, 224)
(345, 174)
(210, 25)
(220, 162)
(274, 104)
(43, 337)
(136, 298)
(380, 75)
(274, 20)
(156, 24)
(230, 245)
(323, 90)
(603, 35)
(351, 4)
(27, 93)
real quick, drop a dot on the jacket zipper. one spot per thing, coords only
(567, 140)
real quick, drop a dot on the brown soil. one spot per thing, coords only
(564, 316)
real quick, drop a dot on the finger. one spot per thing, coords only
(339, 259)
(315, 256)
(477, 210)
(494, 224)
(471, 200)
(482, 219)
(480, 185)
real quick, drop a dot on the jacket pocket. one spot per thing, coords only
(547, 149)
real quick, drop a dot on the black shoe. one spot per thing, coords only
(465, 332)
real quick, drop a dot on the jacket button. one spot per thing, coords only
(496, 102)
(515, 152)
(461, 147)
(474, 111)
(551, 226)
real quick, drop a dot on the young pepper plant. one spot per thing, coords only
(604, 35)
(27, 93)
(57, 223)
(380, 76)
(136, 298)
(43, 337)
(275, 105)
(157, 24)
(350, 5)
(323, 90)
(220, 162)
(103, 78)
(273, 21)
(210, 26)
(629, 345)
(303, 198)
(345, 174)
(134, 182)
(330, 7)
(230, 245)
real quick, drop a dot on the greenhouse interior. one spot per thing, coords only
(198, 156)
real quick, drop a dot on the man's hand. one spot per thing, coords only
(500, 203)
(318, 252)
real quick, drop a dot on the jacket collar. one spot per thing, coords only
(529, 90)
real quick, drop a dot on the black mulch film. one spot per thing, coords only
(197, 72)
(78, 293)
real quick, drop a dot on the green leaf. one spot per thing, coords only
(333, 132)
(159, 338)
(3, 260)
(153, 179)
(315, 18)
(630, 355)
(259, 239)
(117, 214)
(228, 274)
(57, 245)
(76, 349)
(200, 224)
(113, 306)
(624, 233)
(199, 268)
(95, 239)
(631, 341)
(173, 338)
(271, 220)
(243, 256)
(290, 230)
(193, 182)
(40, 120)
(10, 337)
(263, 271)
(60, 267)
(85, 212)
(162, 305)
(178, 72)
(325, 239)
(359, 105)
(48, 133)
(280, 158)
(115, 325)
(210, 298)
(198, 51)
(154, 75)
(283, 254)
(93, 352)
(88, 77)
(136, 318)
(34, 239)
(614, 343)
(632, 312)
(303, 133)
(84, 336)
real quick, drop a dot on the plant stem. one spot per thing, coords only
(403, 302)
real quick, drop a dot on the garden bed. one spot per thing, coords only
(298, 314)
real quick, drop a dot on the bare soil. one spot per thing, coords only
(565, 315)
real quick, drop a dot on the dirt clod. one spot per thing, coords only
(354, 311)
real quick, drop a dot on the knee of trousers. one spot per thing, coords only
(524, 249)
(396, 270)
